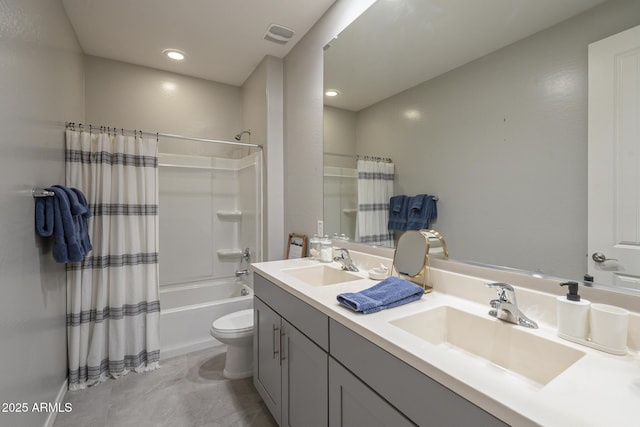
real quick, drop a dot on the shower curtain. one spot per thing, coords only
(375, 188)
(113, 306)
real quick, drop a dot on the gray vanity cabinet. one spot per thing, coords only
(355, 384)
(290, 365)
(352, 403)
(419, 398)
(304, 380)
(267, 361)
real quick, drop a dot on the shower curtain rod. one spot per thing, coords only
(72, 125)
(360, 157)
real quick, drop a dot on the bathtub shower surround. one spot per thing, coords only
(113, 307)
(211, 213)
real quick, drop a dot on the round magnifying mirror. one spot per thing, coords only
(411, 253)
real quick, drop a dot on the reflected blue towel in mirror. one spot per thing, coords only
(398, 212)
(421, 212)
(391, 292)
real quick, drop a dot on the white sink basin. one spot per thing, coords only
(321, 275)
(509, 346)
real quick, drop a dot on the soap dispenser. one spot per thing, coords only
(573, 314)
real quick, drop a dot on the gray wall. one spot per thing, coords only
(135, 97)
(41, 86)
(503, 142)
(262, 102)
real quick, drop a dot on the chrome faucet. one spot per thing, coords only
(244, 272)
(345, 259)
(506, 308)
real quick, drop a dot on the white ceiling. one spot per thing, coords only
(394, 45)
(223, 39)
(397, 44)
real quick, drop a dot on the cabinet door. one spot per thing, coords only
(353, 404)
(267, 356)
(304, 380)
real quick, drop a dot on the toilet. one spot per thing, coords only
(236, 331)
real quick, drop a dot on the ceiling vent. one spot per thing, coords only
(278, 34)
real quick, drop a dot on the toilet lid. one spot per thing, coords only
(238, 321)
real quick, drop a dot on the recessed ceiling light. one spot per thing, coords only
(332, 92)
(175, 54)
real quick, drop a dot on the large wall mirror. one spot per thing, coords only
(483, 104)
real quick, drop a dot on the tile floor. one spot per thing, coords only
(187, 391)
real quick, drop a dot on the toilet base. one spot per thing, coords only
(239, 363)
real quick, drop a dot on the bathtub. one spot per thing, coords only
(188, 310)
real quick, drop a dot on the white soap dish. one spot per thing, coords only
(379, 273)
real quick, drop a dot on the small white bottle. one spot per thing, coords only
(573, 314)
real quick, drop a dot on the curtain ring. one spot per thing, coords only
(157, 137)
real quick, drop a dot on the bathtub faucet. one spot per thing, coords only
(246, 255)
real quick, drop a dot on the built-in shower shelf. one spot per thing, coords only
(229, 254)
(349, 211)
(229, 215)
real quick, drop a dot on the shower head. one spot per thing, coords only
(239, 136)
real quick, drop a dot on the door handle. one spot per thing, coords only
(283, 334)
(276, 349)
(599, 257)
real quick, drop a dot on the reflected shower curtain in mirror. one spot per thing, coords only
(113, 307)
(375, 188)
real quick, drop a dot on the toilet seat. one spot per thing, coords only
(237, 322)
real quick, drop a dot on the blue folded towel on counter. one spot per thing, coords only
(64, 216)
(391, 292)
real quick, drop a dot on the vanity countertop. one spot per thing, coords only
(598, 390)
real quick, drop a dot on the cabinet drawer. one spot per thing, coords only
(420, 398)
(308, 320)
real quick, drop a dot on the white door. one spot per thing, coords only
(614, 160)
